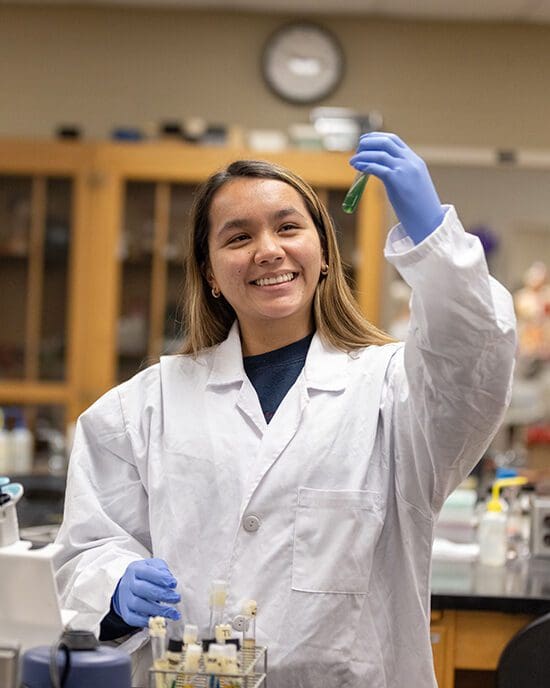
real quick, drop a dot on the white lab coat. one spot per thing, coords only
(345, 482)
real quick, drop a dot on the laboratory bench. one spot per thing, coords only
(475, 612)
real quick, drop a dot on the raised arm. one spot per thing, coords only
(448, 389)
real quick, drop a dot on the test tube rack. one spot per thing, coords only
(252, 674)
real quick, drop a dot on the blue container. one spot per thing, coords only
(102, 667)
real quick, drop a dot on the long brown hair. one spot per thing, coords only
(207, 320)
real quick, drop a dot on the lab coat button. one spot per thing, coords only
(251, 523)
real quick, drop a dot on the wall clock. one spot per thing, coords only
(302, 62)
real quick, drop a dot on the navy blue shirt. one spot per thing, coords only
(272, 374)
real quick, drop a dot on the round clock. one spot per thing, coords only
(302, 63)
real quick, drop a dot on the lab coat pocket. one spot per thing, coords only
(334, 540)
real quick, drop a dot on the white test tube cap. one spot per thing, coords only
(218, 593)
(249, 608)
(157, 626)
(222, 633)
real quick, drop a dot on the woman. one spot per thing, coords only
(293, 449)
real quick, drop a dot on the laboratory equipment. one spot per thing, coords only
(190, 634)
(249, 611)
(223, 664)
(30, 611)
(9, 664)
(174, 658)
(10, 494)
(213, 664)
(493, 535)
(218, 595)
(217, 667)
(355, 191)
(76, 661)
(540, 526)
(191, 667)
(157, 635)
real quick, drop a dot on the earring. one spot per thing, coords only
(324, 269)
(216, 293)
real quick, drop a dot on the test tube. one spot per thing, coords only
(218, 595)
(191, 666)
(230, 668)
(213, 664)
(249, 611)
(355, 192)
(190, 634)
(174, 658)
(157, 634)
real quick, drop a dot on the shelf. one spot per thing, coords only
(14, 392)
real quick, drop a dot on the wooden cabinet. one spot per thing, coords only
(470, 641)
(42, 232)
(91, 262)
(442, 634)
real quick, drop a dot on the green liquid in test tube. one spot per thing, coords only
(354, 193)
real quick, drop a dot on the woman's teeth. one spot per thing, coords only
(266, 281)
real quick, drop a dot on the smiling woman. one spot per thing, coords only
(293, 449)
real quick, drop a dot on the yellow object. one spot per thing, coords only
(494, 503)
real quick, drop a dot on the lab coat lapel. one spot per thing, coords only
(325, 371)
(228, 369)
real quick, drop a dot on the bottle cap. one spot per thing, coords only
(157, 626)
(175, 645)
(250, 607)
(505, 472)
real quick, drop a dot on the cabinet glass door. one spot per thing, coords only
(35, 233)
(346, 233)
(155, 221)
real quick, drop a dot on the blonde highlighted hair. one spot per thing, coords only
(207, 320)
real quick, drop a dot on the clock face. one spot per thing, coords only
(302, 63)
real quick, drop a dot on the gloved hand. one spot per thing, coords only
(407, 181)
(145, 585)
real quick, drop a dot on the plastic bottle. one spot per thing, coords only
(493, 535)
(518, 522)
(22, 448)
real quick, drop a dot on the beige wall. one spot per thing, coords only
(435, 83)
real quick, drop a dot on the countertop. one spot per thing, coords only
(522, 586)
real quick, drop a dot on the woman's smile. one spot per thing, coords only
(275, 280)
